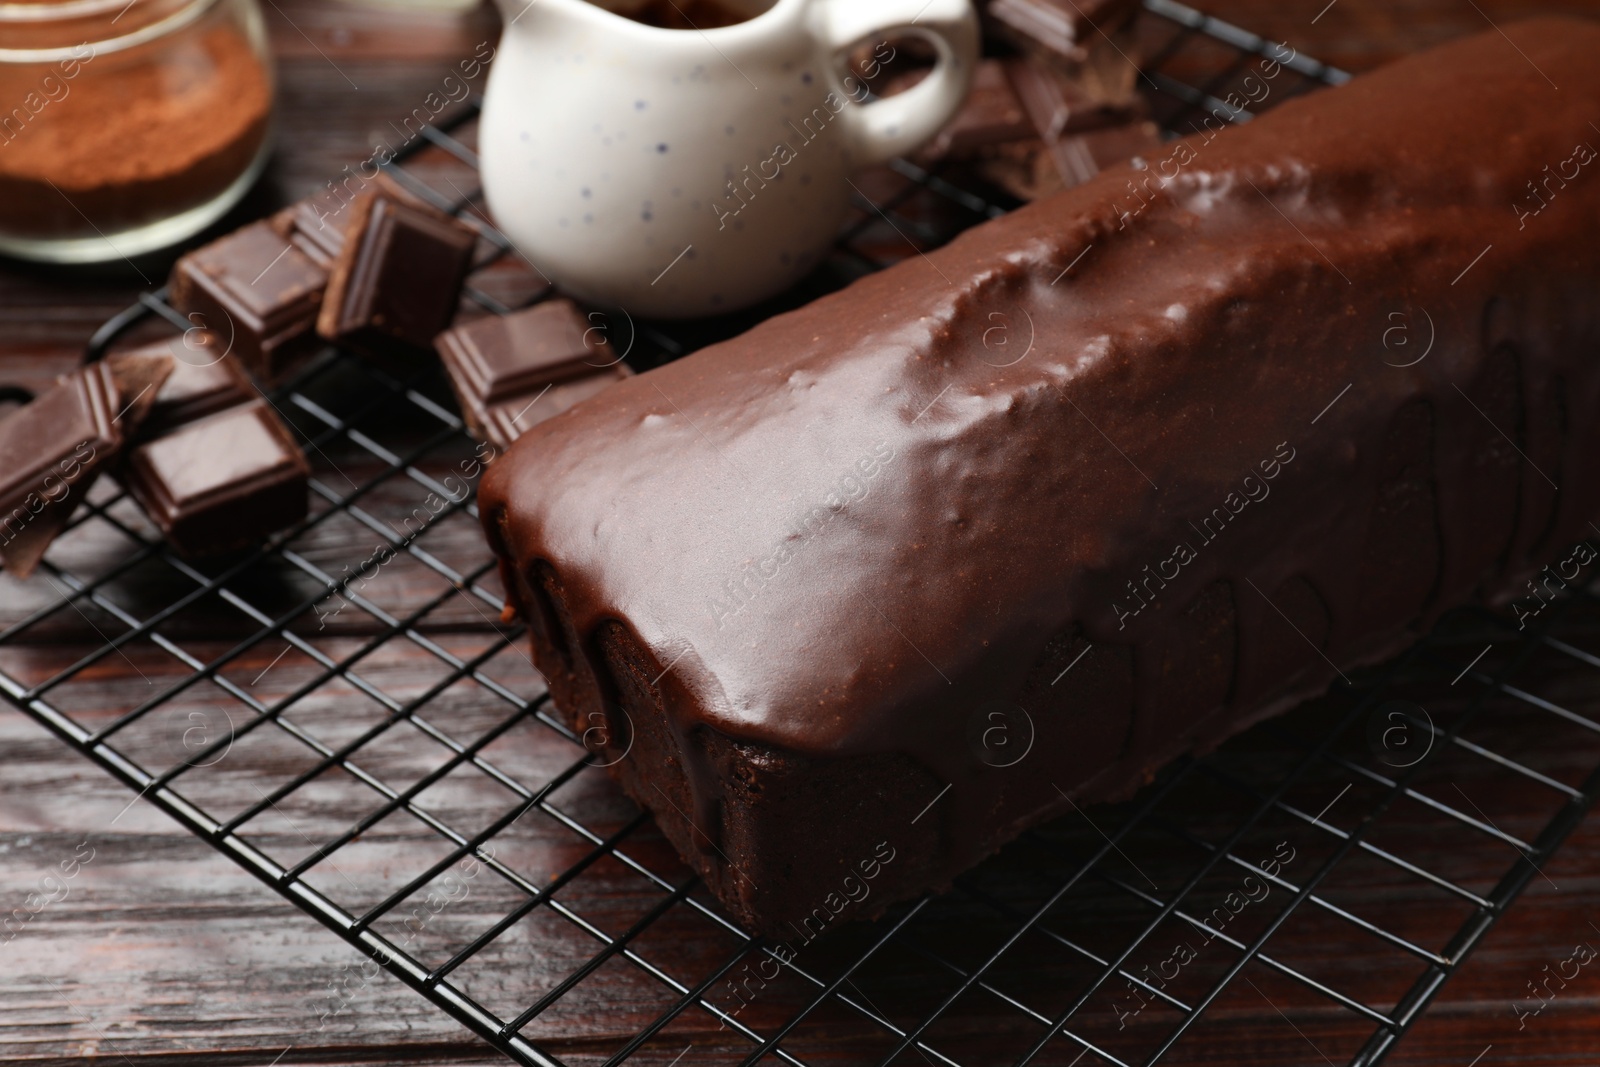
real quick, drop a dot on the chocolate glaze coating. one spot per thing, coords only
(846, 538)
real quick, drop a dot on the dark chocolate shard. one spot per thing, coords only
(1057, 103)
(504, 423)
(1032, 169)
(205, 379)
(398, 276)
(222, 482)
(502, 357)
(258, 292)
(1064, 27)
(1081, 156)
(212, 465)
(52, 449)
(139, 380)
(512, 372)
(990, 115)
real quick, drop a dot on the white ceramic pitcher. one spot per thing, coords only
(678, 173)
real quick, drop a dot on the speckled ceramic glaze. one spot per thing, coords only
(677, 173)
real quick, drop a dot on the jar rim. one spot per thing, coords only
(48, 12)
(17, 14)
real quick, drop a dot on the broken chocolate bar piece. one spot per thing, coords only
(511, 372)
(505, 422)
(1065, 27)
(398, 277)
(500, 357)
(991, 114)
(205, 379)
(212, 407)
(1022, 168)
(222, 482)
(1096, 45)
(1081, 156)
(51, 450)
(317, 225)
(1058, 103)
(255, 290)
(1031, 169)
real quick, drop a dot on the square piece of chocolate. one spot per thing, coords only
(990, 115)
(222, 482)
(255, 290)
(205, 379)
(510, 372)
(1032, 169)
(1081, 156)
(317, 225)
(505, 422)
(398, 276)
(1058, 103)
(499, 357)
(52, 449)
(1064, 27)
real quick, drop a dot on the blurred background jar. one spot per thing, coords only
(127, 125)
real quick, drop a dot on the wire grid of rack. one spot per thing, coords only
(1054, 951)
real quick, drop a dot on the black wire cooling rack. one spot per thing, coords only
(395, 772)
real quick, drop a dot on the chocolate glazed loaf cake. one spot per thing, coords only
(1141, 460)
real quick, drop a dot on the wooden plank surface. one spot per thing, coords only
(158, 950)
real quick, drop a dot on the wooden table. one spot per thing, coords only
(165, 952)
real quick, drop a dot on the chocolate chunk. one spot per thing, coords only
(52, 449)
(317, 240)
(498, 358)
(511, 372)
(398, 277)
(222, 482)
(213, 466)
(317, 225)
(1075, 127)
(991, 114)
(504, 423)
(686, 14)
(1097, 45)
(1058, 103)
(205, 379)
(255, 290)
(1032, 169)
(1081, 156)
(1064, 27)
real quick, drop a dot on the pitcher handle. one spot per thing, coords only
(897, 125)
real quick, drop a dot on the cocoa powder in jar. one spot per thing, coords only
(104, 143)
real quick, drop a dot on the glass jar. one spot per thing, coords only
(127, 125)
